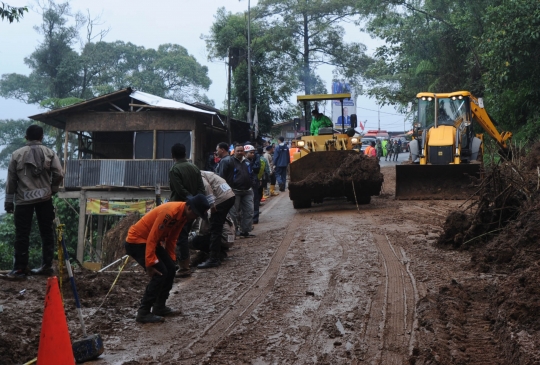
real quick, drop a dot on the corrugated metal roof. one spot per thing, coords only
(165, 103)
(57, 117)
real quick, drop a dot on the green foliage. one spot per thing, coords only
(170, 71)
(7, 238)
(11, 13)
(310, 35)
(273, 80)
(59, 71)
(489, 47)
(56, 103)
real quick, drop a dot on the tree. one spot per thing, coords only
(59, 71)
(489, 47)
(310, 34)
(11, 13)
(273, 81)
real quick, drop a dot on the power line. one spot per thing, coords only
(371, 110)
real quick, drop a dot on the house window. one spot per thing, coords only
(144, 141)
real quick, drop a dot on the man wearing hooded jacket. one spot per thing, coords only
(34, 175)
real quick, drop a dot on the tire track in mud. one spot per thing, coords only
(242, 307)
(390, 329)
(318, 317)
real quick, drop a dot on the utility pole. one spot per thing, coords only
(379, 115)
(249, 62)
(229, 132)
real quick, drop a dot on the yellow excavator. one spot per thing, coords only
(331, 164)
(445, 151)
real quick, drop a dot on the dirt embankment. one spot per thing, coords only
(23, 303)
(501, 230)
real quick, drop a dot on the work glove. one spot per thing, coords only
(9, 207)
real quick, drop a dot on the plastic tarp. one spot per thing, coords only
(165, 103)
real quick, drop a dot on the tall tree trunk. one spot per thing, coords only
(307, 78)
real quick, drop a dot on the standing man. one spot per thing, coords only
(389, 150)
(397, 150)
(34, 175)
(269, 157)
(185, 181)
(143, 243)
(253, 162)
(281, 161)
(264, 175)
(319, 120)
(221, 199)
(236, 172)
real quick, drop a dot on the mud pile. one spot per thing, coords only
(355, 169)
(114, 239)
(23, 302)
(502, 231)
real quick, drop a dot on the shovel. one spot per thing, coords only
(90, 346)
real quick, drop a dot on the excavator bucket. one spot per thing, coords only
(436, 182)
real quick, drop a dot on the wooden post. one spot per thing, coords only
(154, 150)
(82, 224)
(99, 237)
(65, 156)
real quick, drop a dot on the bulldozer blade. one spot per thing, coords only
(436, 182)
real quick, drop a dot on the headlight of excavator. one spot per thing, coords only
(354, 140)
(300, 143)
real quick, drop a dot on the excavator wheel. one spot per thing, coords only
(301, 204)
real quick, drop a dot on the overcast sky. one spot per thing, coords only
(149, 24)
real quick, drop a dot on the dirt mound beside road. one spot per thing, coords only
(502, 231)
(20, 321)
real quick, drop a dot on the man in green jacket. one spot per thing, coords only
(185, 181)
(319, 121)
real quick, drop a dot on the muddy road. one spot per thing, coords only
(332, 284)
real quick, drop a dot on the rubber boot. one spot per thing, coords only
(45, 270)
(161, 310)
(184, 270)
(211, 262)
(273, 191)
(144, 316)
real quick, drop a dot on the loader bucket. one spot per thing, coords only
(436, 182)
(320, 175)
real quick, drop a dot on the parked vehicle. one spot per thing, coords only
(366, 141)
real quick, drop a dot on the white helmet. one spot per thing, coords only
(249, 148)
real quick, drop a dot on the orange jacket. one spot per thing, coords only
(370, 151)
(162, 223)
(292, 151)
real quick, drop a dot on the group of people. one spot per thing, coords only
(388, 148)
(161, 241)
(392, 148)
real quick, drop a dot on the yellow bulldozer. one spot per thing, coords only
(331, 163)
(445, 151)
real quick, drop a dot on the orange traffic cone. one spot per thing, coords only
(54, 342)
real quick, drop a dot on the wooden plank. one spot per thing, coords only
(113, 195)
(82, 223)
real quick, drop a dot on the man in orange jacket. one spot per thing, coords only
(145, 244)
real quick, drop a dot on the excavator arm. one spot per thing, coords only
(485, 122)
